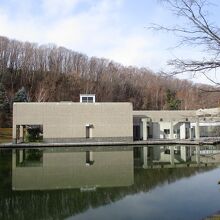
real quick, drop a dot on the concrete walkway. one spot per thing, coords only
(206, 141)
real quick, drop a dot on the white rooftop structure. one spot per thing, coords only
(87, 98)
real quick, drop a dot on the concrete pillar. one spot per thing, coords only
(144, 128)
(141, 131)
(183, 131)
(14, 135)
(198, 154)
(197, 129)
(172, 155)
(21, 137)
(190, 132)
(171, 130)
(144, 157)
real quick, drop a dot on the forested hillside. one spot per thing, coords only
(51, 73)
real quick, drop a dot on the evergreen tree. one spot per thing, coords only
(21, 96)
(172, 103)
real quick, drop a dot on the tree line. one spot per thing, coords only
(47, 73)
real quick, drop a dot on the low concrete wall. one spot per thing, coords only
(85, 140)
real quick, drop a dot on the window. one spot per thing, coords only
(166, 131)
(84, 99)
(90, 99)
(88, 131)
(87, 98)
(89, 128)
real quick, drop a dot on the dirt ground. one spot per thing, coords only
(5, 135)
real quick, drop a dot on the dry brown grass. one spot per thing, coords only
(5, 135)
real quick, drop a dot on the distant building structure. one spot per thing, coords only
(176, 124)
(164, 124)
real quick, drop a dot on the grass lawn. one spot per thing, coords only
(5, 135)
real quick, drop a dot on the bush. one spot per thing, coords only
(33, 135)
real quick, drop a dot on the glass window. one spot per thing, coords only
(166, 131)
(84, 99)
(90, 99)
(87, 98)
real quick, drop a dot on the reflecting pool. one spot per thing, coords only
(153, 182)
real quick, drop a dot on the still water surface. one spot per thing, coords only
(110, 183)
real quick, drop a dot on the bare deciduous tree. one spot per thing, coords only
(194, 29)
(51, 73)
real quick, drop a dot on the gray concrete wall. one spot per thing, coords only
(66, 121)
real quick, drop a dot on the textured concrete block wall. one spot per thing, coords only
(69, 120)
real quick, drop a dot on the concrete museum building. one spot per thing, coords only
(90, 121)
(75, 122)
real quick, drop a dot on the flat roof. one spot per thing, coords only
(167, 114)
(69, 103)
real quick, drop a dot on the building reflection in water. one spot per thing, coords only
(172, 156)
(63, 168)
(91, 168)
(40, 177)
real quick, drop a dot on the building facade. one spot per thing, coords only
(74, 122)
(176, 124)
(90, 121)
(164, 125)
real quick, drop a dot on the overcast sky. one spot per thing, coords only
(113, 29)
